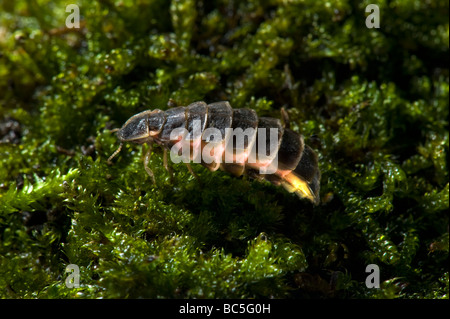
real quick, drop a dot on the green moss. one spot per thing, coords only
(373, 103)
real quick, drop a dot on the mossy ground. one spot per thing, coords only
(372, 102)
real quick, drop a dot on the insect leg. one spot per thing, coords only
(188, 165)
(146, 160)
(166, 164)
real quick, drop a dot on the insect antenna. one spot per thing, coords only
(114, 154)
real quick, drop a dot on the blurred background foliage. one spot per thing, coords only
(372, 102)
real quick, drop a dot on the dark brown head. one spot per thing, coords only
(142, 127)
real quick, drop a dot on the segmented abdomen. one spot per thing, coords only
(296, 163)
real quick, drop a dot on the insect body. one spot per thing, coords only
(234, 140)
